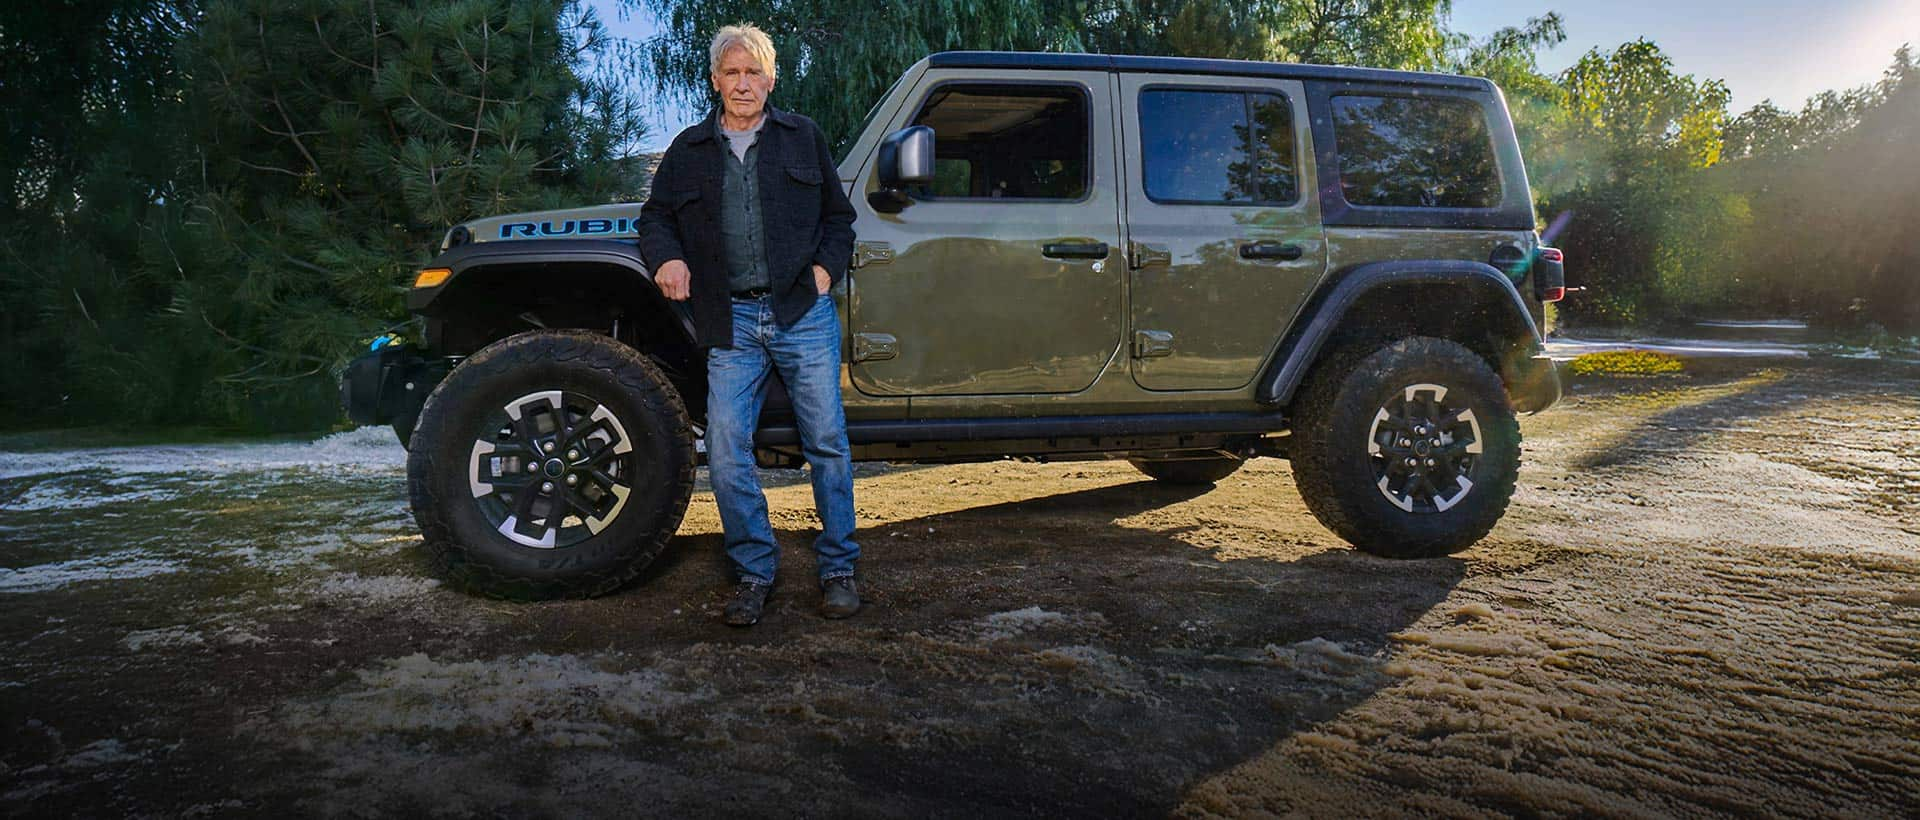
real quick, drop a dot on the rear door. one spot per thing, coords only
(1005, 275)
(1224, 233)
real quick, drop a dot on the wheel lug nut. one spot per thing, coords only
(1406, 443)
(1412, 462)
(572, 479)
(1430, 462)
(532, 467)
(548, 447)
(546, 486)
(573, 454)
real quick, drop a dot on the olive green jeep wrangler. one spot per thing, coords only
(1183, 263)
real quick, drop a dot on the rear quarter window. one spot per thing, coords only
(1414, 152)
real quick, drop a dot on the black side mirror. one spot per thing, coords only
(906, 159)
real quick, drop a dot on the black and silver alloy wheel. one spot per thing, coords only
(551, 464)
(1423, 449)
(1406, 451)
(556, 470)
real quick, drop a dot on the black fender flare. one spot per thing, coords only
(1330, 305)
(617, 260)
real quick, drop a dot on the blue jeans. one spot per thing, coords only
(808, 356)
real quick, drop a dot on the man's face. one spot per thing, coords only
(743, 86)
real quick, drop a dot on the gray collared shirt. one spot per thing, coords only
(742, 229)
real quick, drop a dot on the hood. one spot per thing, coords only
(616, 221)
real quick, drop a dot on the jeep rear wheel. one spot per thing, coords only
(552, 464)
(1410, 451)
(1188, 471)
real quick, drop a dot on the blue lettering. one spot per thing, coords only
(525, 229)
(596, 226)
(547, 229)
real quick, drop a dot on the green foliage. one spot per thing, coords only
(1626, 363)
(837, 57)
(1834, 193)
(307, 158)
(1633, 138)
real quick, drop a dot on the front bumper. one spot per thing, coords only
(388, 384)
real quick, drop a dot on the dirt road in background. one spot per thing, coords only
(1706, 599)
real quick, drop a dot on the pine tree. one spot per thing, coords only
(341, 138)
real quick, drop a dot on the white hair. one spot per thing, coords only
(747, 36)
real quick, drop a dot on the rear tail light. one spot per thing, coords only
(1550, 275)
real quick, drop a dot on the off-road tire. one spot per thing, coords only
(1188, 472)
(470, 552)
(403, 427)
(1336, 473)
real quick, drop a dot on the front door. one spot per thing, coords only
(1224, 225)
(1006, 274)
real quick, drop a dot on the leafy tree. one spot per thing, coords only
(88, 112)
(1537, 101)
(251, 184)
(1639, 130)
(1643, 115)
(838, 56)
(1833, 190)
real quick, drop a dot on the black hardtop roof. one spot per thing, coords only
(1195, 65)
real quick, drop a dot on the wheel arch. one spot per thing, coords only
(497, 289)
(1468, 302)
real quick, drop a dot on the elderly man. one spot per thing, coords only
(747, 220)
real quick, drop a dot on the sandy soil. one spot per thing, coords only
(1705, 600)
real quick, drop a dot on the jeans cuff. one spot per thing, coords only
(744, 578)
(841, 574)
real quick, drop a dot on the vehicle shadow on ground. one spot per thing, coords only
(1742, 403)
(1063, 655)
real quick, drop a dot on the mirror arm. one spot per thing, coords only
(889, 200)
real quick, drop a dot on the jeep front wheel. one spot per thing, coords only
(1410, 451)
(552, 464)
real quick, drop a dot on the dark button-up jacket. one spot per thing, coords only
(808, 220)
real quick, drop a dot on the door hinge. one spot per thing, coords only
(871, 253)
(1144, 254)
(1152, 344)
(873, 347)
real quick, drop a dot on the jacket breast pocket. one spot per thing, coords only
(805, 175)
(800, 201)
(678, 199)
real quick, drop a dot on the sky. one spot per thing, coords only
(1784, 50)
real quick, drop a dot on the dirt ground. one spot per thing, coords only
(1705, 600)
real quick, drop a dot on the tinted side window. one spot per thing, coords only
(1217, 147)
(1414, 152)
(1008, 141)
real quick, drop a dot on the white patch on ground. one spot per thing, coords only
(563, 700)
(1563, 348)
(1322, 661)
(293, 552)
(115, 567)
(363, 450)
(54, 494)
(1003, 625)
(102, 753)
(374, 589)
(170, 636)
